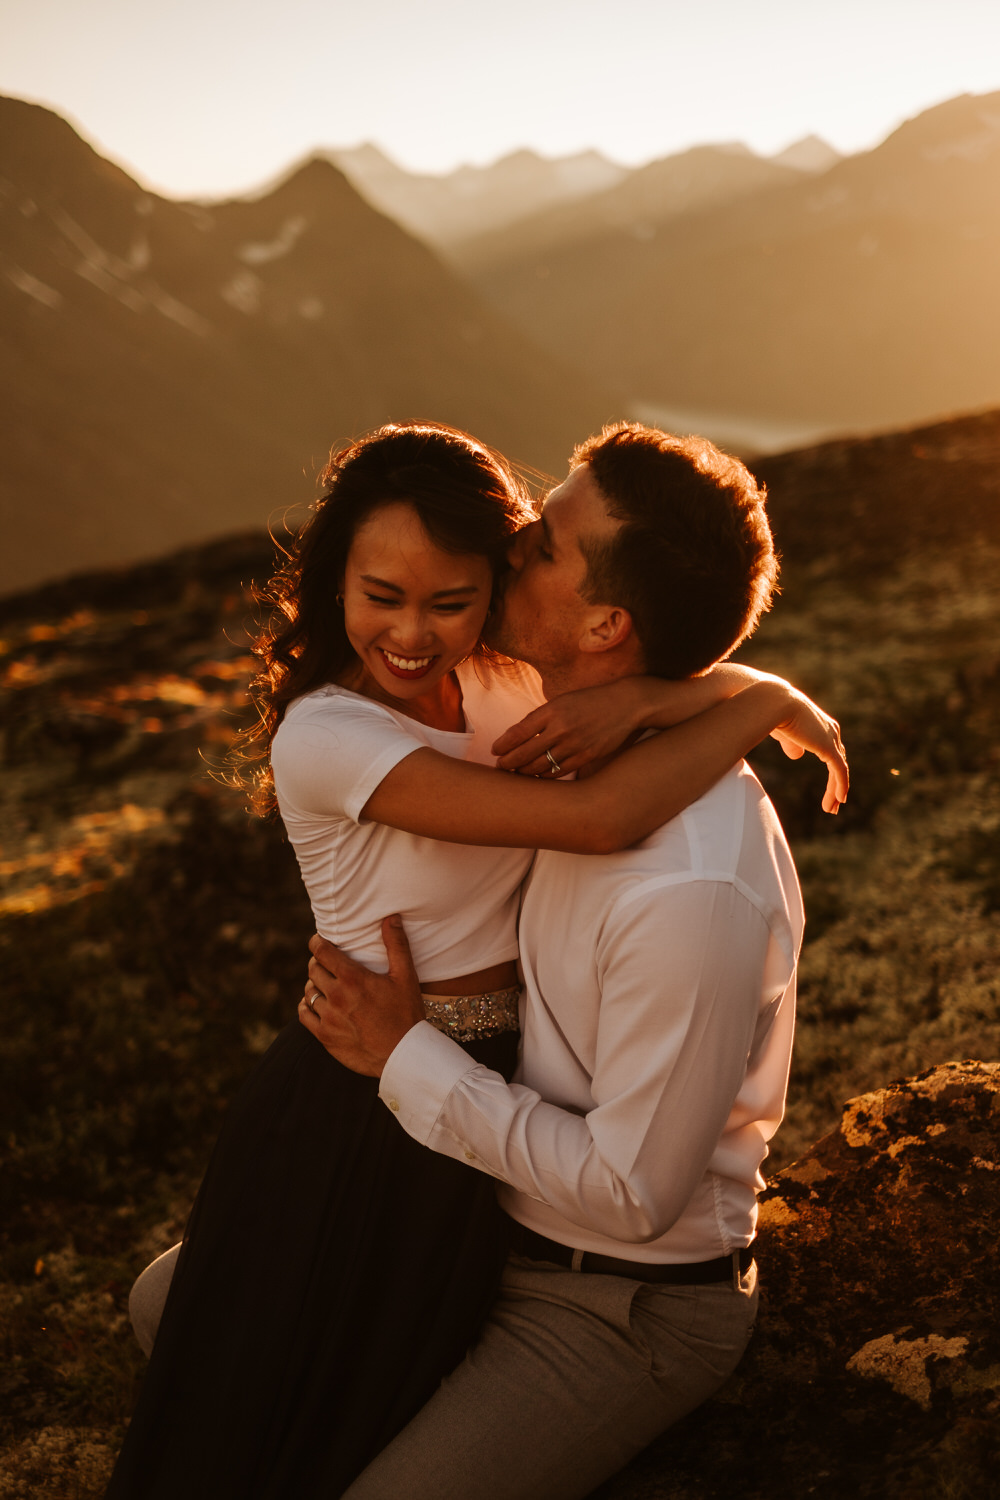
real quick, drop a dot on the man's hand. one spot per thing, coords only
(360, 1017)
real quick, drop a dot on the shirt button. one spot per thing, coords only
(470, 1156)
(394, 1106)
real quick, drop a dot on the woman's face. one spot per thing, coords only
(412, 611)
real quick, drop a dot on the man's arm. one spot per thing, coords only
(671, 1057)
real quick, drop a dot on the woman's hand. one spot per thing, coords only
(591, 723)
(574, 728)
(807, 727)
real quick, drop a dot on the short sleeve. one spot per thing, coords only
(331, 752)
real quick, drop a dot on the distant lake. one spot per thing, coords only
(738, 432)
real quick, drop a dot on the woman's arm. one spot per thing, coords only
(588, 724)
(437, 797)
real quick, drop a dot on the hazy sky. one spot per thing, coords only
(214, 96)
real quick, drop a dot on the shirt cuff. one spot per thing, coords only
(421, 1072)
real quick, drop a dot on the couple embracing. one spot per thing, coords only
(474, 1228)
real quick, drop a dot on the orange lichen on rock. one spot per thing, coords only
(905, 1363)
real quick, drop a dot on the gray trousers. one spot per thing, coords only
(572, 1376)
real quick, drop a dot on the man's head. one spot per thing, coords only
(654, 555)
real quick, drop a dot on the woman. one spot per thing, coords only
(333, 1271)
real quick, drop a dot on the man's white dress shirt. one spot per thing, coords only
(657, 1030)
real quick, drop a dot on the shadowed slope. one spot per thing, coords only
(865, 296)
(169, 372)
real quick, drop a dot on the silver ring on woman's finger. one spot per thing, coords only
(556, 767)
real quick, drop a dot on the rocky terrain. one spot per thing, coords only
(152, 938)
(875, 1367)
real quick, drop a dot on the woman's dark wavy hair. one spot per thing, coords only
(469, 501)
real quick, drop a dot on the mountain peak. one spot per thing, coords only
(366, 162)
(967, 126)
(34, 139)
(810, 154)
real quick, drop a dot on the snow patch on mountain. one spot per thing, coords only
(177, 312)
(25, 282)
(260, 253)
(140, 254)
(243, 292)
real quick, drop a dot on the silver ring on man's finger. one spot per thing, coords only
(311, 1002)
(556, 767)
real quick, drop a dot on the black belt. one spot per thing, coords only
(686, 1273)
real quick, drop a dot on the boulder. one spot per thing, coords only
(875, 1367)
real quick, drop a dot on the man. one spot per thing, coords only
(657, 1026)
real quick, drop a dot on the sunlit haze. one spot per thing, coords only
(209, 97)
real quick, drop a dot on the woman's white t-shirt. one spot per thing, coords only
(458, 901)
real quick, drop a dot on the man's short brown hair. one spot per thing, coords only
(692, 561)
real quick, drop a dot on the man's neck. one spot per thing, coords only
(584, 671)
(587, 671)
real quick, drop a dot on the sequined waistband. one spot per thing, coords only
(468, 1017)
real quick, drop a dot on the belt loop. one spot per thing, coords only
(576, 1264)
(736, 1270)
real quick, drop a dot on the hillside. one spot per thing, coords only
(170, 372)
(890, 615)
(152, 937)
(863, 297)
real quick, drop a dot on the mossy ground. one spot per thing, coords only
(152, 935)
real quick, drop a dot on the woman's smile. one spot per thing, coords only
(412, 612)
(407, 667)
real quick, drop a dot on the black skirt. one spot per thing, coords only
(333, 1271)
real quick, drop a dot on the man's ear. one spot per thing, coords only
(608, 628)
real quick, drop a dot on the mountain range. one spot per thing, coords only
(452, 208)
(862, 296)
(172, 371)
